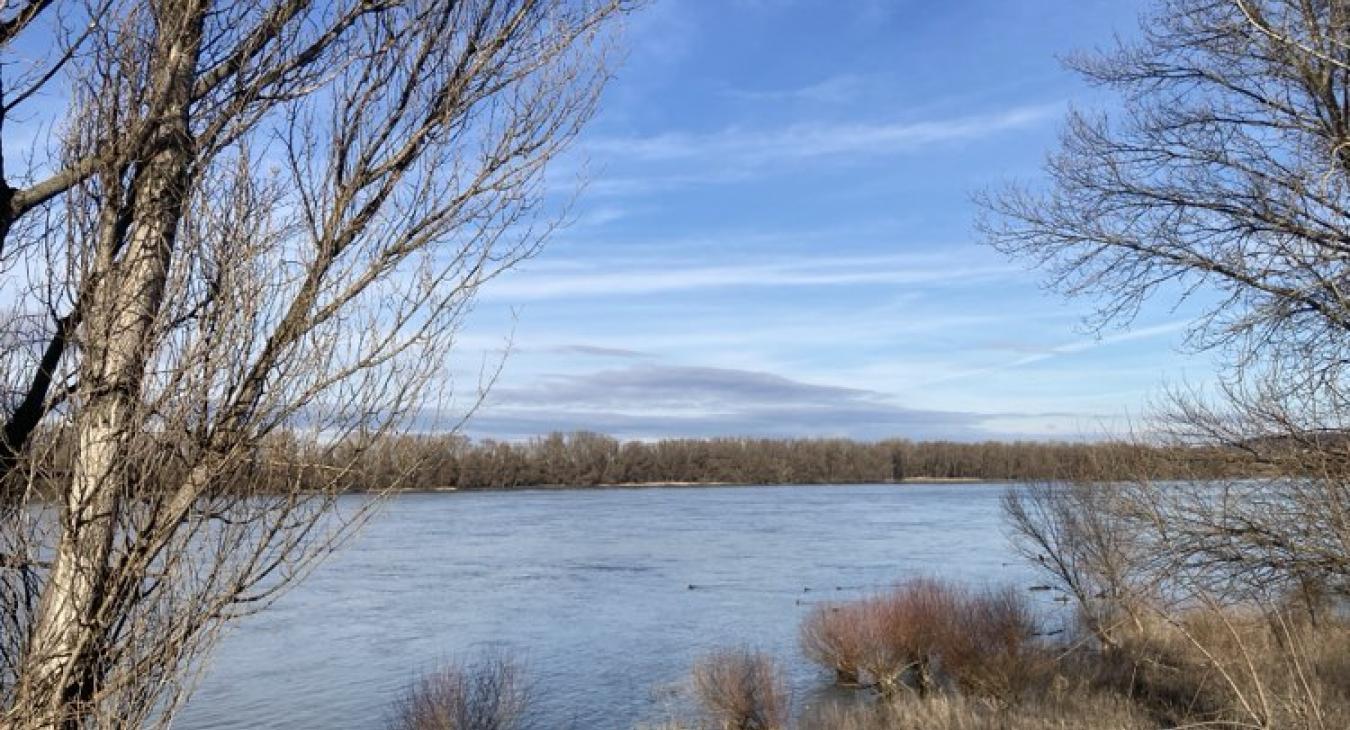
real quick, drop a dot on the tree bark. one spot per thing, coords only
(70, 633)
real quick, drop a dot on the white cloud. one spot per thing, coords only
(809, 141)
(616, 280)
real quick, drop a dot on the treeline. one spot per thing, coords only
(590, 459)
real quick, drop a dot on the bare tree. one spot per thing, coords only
(1226, 170)
(255, 223)
(1283, 534)
(1223, 181)
(1081, 535)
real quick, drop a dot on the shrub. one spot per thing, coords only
(926, 633)
(913, 626)
(835, 636)
(740, 689)
(882, 639)
(489, 694)
(990, 650)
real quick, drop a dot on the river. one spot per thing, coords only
(607, 596)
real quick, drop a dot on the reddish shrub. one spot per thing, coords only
(836, 636)
(991, 651)
(926, 633)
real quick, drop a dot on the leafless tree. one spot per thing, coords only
(1223, 182)
(423, 461)
(1226, 170)
(244, 224)
(1082, 536)
(1282, 535)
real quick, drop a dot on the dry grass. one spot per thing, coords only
(740, 689)
(954, 712)
(1240, 668)
(489, 694)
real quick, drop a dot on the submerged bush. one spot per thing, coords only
(488, 694)
(926, 633)
(991, 649)
(740, 689)
(836, 636)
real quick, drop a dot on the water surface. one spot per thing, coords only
(608, 595)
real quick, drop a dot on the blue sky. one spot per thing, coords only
(776, 236)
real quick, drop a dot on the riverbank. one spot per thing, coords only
(695, 485)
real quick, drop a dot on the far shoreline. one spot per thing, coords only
(917, 481)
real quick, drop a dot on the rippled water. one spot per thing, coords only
(608, 595)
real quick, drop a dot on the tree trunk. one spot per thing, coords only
(70, 641)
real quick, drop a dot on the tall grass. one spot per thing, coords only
(1088, 711)
(1239, 667)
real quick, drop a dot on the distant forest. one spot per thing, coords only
(589, 459)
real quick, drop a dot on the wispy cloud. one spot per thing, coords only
(599, 351)
(811, 141)
(1067, 348)
(831, 90)
(614, 280)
